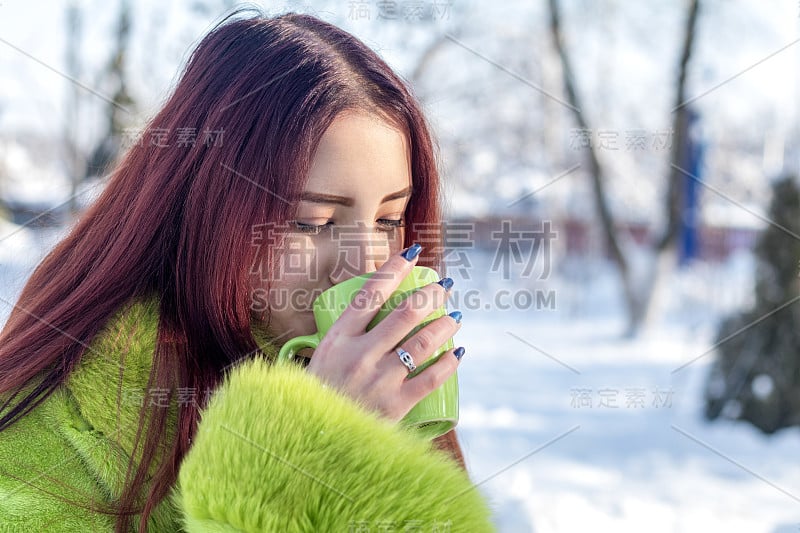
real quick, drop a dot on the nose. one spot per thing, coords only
(358, 253)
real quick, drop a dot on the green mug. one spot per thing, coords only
(434, 415)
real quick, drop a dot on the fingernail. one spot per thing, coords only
(447, 283)
(456, 315)
(459, 352)
(411, 252)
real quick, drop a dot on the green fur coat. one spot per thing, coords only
(275, 450)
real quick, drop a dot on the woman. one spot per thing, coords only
(138, 366)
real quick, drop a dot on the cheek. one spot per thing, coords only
(299, 275)
(280, 273)
(300, 263)
(292, 290)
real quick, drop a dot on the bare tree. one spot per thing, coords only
(637, 295)
(596, 172)
(117, 110)
(80, 163)
(665, 245)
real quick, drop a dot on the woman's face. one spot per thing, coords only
(348, 221)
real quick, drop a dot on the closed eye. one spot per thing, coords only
(310, 229)
(389, 224)
(384, 224)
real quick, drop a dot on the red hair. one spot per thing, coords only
(176, 221)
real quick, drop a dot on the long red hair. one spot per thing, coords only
(175, 220)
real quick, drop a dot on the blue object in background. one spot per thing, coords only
(688, 241)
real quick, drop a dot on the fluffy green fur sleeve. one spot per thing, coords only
(275, 450)
(278, 451)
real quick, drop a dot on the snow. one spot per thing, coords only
(655, 467)
(734, 216)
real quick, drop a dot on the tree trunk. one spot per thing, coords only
(665, 246)
(638, 296)
(596, 172)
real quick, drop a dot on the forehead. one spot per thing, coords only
(360, 155)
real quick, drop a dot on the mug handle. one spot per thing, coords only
(292, 346)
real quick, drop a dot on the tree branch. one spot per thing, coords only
(595, 170)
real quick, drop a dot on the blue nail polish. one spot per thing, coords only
(456, 315)
(459, 352)
(412, 252)
(447, 283)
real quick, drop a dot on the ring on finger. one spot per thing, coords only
(406, 359)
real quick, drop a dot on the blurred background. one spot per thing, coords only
(623, 224)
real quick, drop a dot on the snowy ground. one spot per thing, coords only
(551, 453)
(569, 427)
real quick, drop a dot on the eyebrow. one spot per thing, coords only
(320, 198)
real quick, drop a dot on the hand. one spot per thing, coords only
(364, 365)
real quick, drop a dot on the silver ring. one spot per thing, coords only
(405, 357)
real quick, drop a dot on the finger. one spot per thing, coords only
(377, 289)
(431, 378)
(429, 339)
(410, 313)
